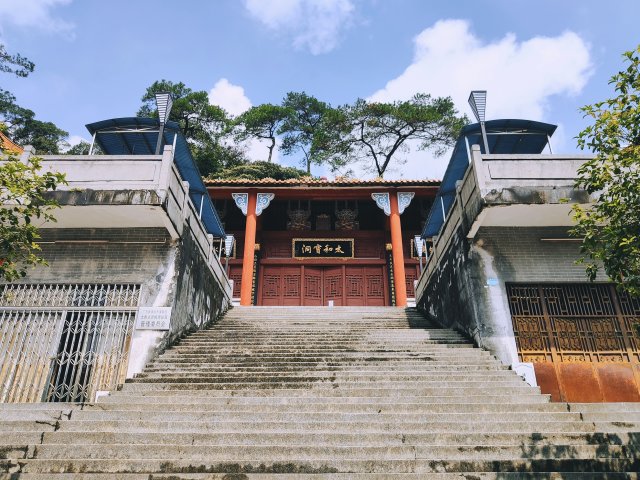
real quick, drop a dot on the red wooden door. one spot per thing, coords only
(313, 286)
(349, 285)
(374, 285)
(354, 286)
(333, 286)
(235, 274)
(271, 286)
(411, 275)
(291, 286)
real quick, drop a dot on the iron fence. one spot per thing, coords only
(64, 342)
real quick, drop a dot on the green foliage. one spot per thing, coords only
(81, 148)
(23, 190)
(378, 133)
(303, 122)
(16, 64)
(206, 127)
(611, 226)
(45, 137)
(258, 171)
(262, 122)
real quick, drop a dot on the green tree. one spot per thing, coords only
(206, 127)
(610, 228)
(21, 124)
(260, 170)
(304, 119)
(23, 189)
(81, 148)
(376, 134)
(16, 64)
(261, 122)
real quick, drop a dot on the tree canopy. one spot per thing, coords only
(23, 192)
(373, 134)
(377, 134)
(262, 122)
(610, 228)
(205, 126)
(259, 170)
(302, 123)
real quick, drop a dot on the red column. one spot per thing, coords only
(249, 247)
(396, 251)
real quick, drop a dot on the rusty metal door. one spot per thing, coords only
(582, 338)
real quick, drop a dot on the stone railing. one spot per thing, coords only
(150, 180)
(500, 180)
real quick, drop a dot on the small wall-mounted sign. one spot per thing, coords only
(153, 318)
(322, 248)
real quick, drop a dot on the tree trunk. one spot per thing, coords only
(273, 144)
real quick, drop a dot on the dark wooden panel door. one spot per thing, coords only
(348, 285)
(333, 286)
(272, 285)
(235, 274)
(374, 286)
(291, 286)
(313, 286)
(410, 276)
(354, 286)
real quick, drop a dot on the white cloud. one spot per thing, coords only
(34, 13)
(315, 25)
(233, 99)
(519, 76)
(230, 97)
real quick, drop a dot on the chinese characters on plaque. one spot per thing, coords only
(153, 318)
(322, 248)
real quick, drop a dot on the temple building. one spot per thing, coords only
(144, 248)
(318, 242)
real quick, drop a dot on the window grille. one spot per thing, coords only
(64, 342)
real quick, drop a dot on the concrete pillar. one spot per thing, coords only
(249, 247)
(397, 253)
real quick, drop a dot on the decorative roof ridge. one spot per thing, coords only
(318, 182)
(6, 144)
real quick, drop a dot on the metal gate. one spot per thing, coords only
(584, 339)
(63, 343)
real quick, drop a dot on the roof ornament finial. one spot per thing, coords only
(478, 103)
(164, 102)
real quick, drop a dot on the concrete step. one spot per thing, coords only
(364, 367)
(335, 397)
(279, 438)
(282, 453)
(320, 415)
(267, 404)
(541, 426)
(317, 393)
(311, 376)
(298, 466)
(609, 407)
(323, 390)
(330, 476)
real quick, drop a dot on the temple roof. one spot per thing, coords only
(6, 145)
(305, 182)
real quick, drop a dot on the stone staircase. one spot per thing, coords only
(321, 393)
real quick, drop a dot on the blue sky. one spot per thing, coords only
(540, 59)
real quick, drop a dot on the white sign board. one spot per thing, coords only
(153, 318)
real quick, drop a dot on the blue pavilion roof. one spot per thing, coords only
(506, 136)
(138, 136)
